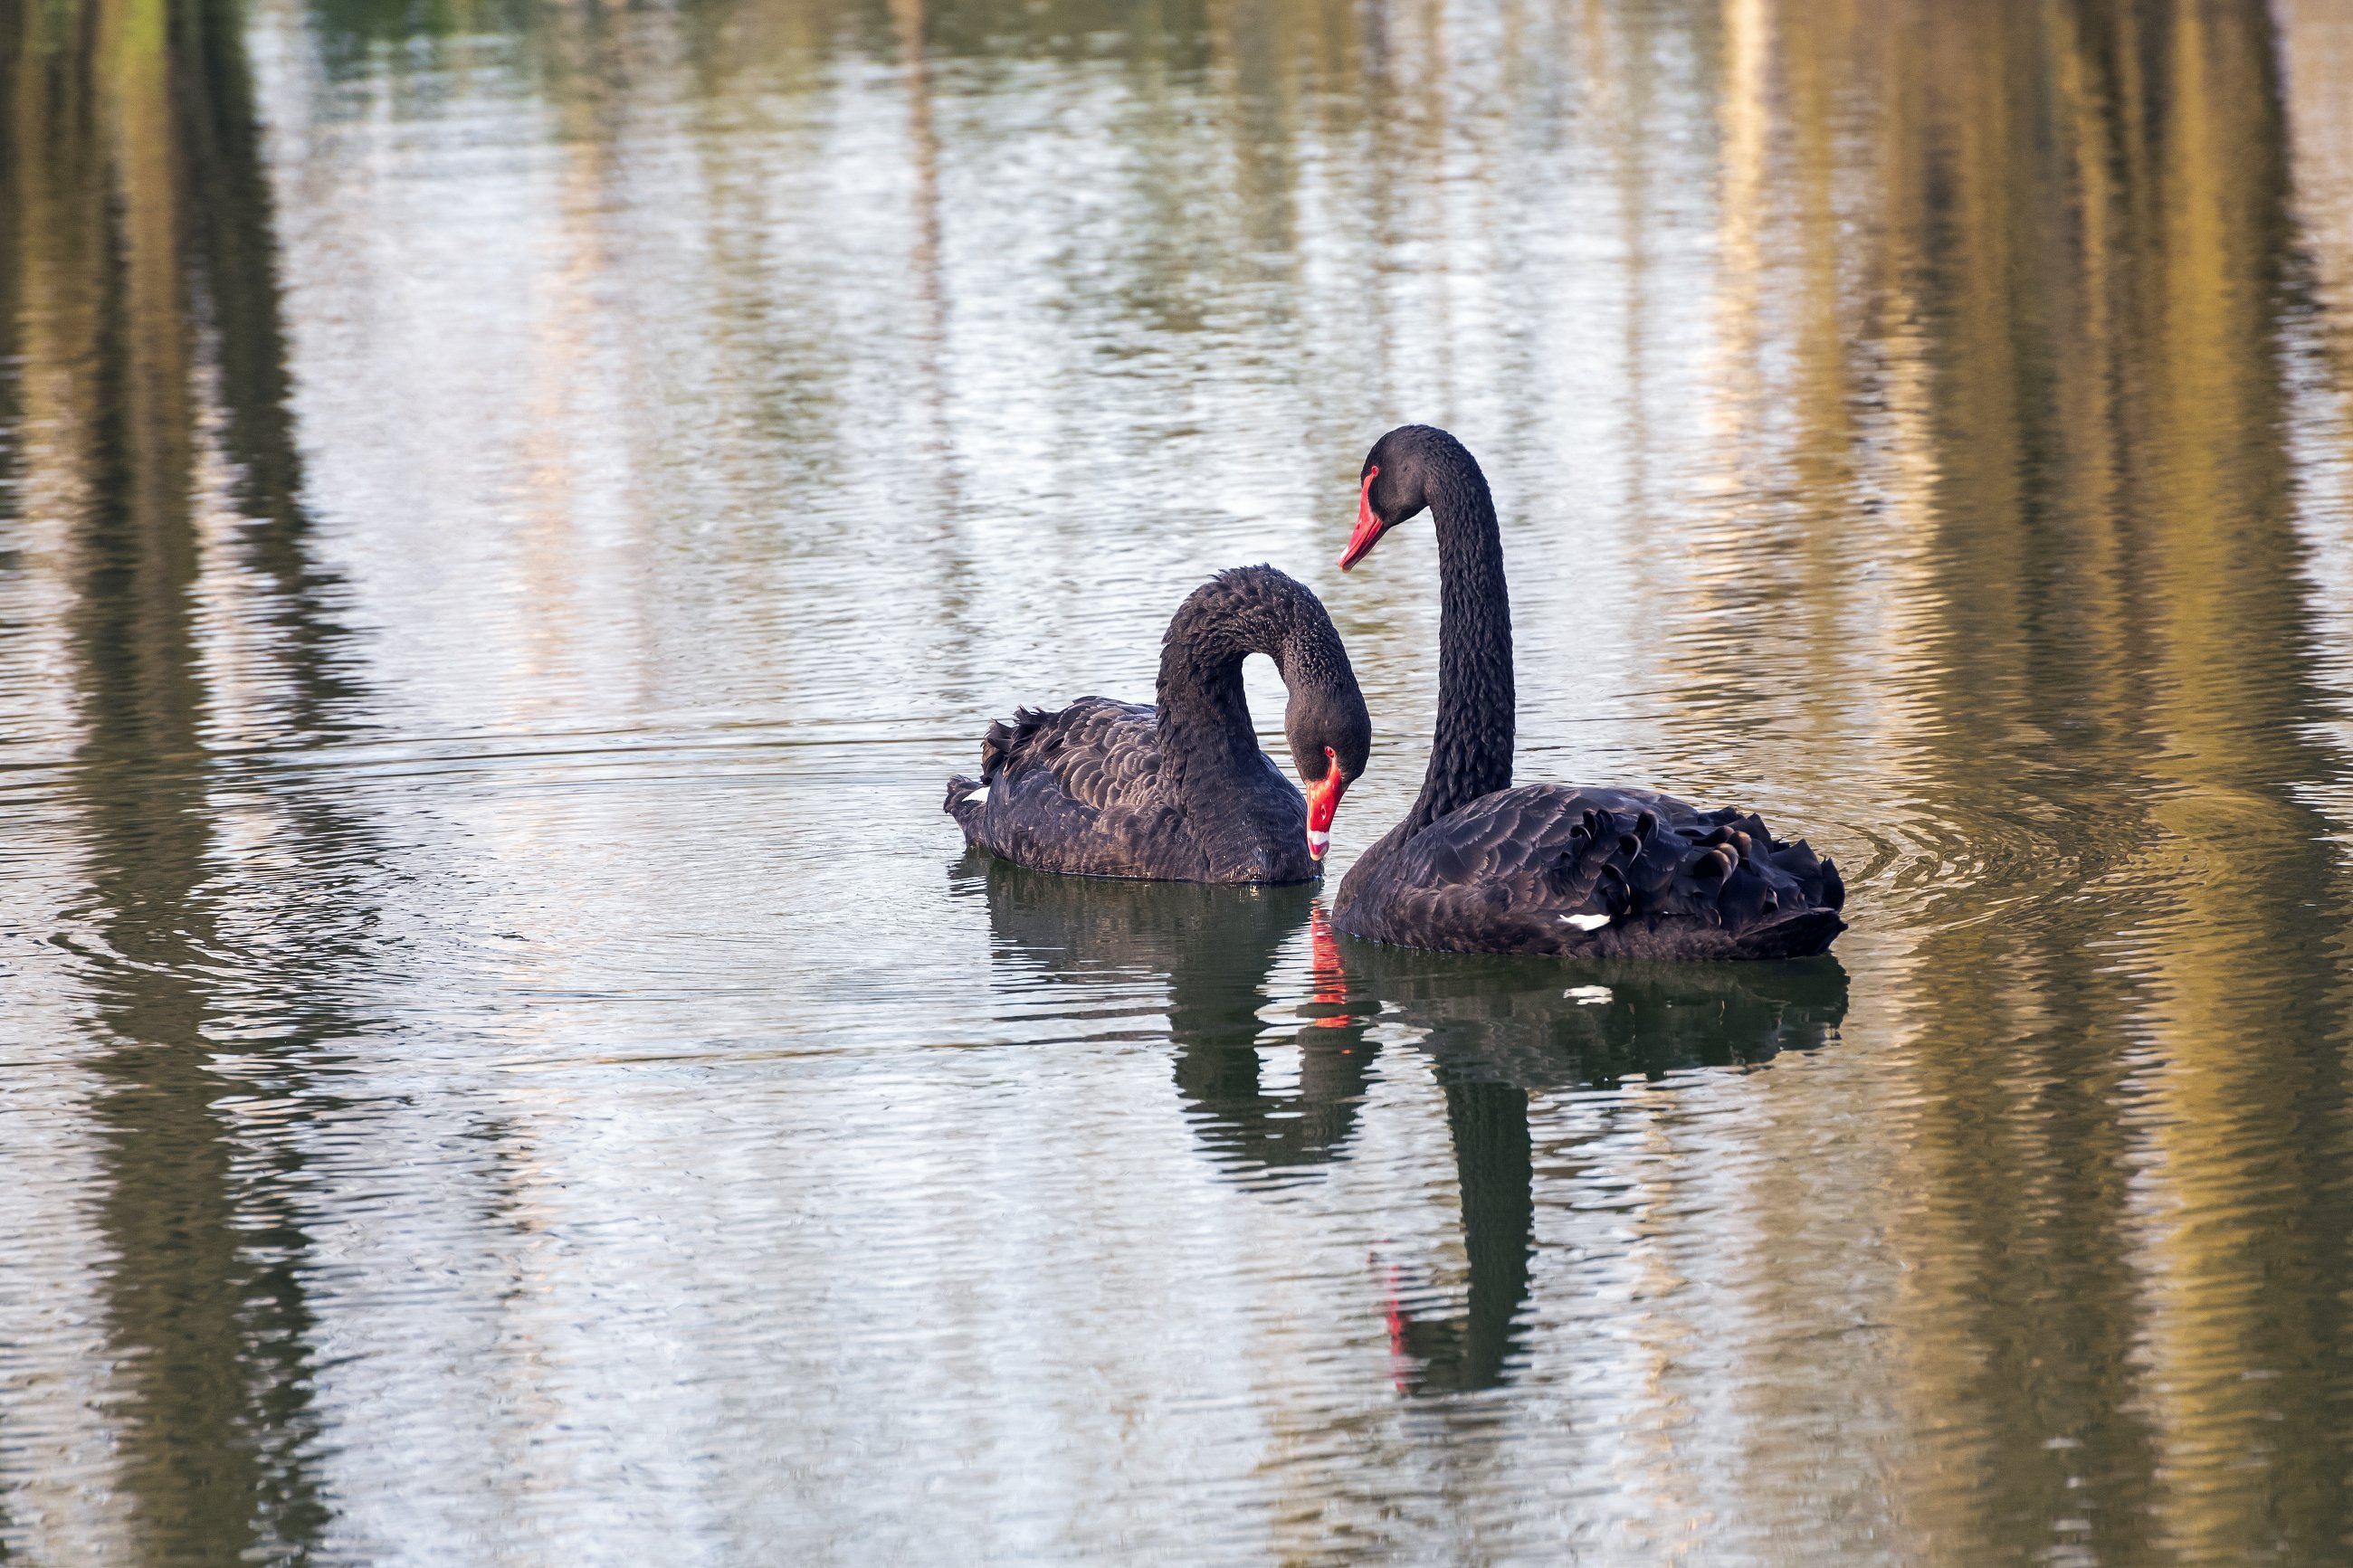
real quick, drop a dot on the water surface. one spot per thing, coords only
(509, 513)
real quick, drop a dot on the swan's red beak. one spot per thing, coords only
(1368, 527)
(1323, 801)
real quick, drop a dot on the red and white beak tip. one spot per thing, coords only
(1323, 800)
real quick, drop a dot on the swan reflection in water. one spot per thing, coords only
(1496, 1030)
(1493, 1030)
(1214, 948)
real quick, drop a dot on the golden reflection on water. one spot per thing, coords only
(158, 487)
(505, 513)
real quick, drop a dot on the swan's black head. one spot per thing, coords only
(1330, 737)
(1399, 473)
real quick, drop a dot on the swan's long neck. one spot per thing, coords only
(1471, 754)
(1204, 718)
(1206, 733)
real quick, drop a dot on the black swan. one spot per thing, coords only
(1180, 792)
(1479, 867)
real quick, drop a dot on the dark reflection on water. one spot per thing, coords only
(1214, 950)
(508, 513)
(1497, 1031)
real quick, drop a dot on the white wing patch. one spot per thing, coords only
(1589, 995)
(1587, 923)
(976, 796)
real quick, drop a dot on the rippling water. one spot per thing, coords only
(509, 512)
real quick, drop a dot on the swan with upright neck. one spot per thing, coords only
(1479, 866)
(1178, 791)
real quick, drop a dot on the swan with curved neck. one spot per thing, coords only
(1478, 865)
(1178, 791)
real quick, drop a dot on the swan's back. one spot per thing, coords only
(1548, 869)
(1096, 751)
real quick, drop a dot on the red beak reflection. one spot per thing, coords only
(1323, 801)
(1327, 978)
(1368, 527)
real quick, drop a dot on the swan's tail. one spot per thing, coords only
(967, 796)
(996, 747)
(964, 802)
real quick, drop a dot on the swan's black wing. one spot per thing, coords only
(1599, 872)
(1075, 790)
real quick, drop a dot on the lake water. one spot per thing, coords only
(509, 512)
